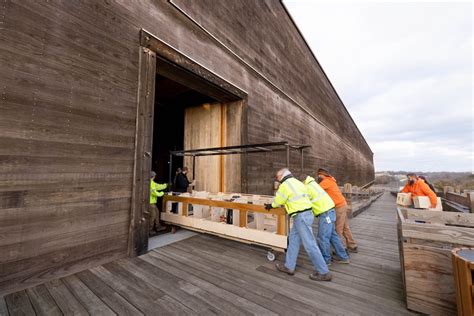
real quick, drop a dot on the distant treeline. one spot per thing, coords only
(465, 180)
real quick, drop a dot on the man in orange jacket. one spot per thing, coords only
(418, 187)
(329, 184)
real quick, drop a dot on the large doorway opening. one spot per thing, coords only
(172, 101)
(193, 113)
(182, 105)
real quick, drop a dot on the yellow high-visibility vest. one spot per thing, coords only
(155, 191)
(293, 195)
(320, 200)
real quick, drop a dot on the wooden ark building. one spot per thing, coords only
(93, 93)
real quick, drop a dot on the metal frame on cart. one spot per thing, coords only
(242, 149)
(235, 150)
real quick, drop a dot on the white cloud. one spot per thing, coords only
(404, 71)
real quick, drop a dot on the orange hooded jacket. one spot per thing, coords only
(420, 188)
(329, 185)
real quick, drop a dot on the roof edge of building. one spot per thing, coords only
(324, 73)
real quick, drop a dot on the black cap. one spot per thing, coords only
(324, 172)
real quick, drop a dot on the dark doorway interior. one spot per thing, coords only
(171, 99)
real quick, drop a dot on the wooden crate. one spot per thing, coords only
(426, 239)
(463, 267)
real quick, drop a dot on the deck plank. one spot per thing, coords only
(139, 294)
(18, 303)
(168, 283)
(237, 297)
(42, 301)
(3, 307)
(221, 262)
(89, 300)
(114, 300)
(68, 304)
(247, 271)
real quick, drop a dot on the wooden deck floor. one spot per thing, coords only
(209, 275)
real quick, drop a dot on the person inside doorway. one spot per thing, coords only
(178, 171)
(156, 191)
(182, 181)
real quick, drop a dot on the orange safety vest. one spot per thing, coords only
(329, 185)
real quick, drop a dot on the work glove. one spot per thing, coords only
(268, 206)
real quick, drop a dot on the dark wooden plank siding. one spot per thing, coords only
(68, 104)
(273, 47)
(67, 135)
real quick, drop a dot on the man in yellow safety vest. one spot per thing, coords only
(292, 194)
(323, 209)
(156, 191)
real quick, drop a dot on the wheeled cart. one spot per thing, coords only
(233, 216)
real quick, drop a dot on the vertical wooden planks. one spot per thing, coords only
(203, 130)
(215, 125)
(233, 136)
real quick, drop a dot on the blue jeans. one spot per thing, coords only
(327, 235)
(302, 232)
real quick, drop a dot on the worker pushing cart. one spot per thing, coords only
(293, 195)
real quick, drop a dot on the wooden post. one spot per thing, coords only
(348, 193)
(243, 218)
(470, 201)
(185, 209)
(281, 225)
(138, 229)
(447, 189)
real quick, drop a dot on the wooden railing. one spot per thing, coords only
(466, 200)
(282, 221)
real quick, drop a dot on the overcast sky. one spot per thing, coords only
(404, 72)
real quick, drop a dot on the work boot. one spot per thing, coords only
(282, 268)
(320, 277)
(336, 259)
(353, 250)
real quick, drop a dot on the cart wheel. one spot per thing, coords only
(271, 256)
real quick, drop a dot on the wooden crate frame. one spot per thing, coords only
(426, 239)
(463, 279)
(276, 241)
